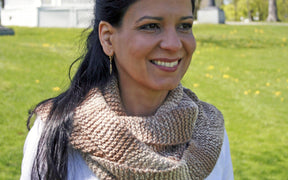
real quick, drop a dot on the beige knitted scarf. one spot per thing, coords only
(182, 140)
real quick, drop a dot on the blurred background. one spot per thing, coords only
(240, 66)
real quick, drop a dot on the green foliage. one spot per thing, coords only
(242, 70)
(257, 8)
(282, 6)
(229, 10)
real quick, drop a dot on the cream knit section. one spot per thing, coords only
(182, 140)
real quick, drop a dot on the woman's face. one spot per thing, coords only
(154, 45)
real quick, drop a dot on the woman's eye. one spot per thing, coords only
(185, 27)
(150, 27)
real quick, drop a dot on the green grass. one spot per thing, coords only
(242, 70)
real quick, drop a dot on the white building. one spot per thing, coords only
(47, 13)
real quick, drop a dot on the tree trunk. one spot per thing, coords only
(249, 12)
(235, 11)
(272, 11)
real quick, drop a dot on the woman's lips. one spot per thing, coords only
(169, 65)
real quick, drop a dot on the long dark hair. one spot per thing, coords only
(52, 155)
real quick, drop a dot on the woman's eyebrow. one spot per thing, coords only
(160, 18)
(149, 17)
(186, 17)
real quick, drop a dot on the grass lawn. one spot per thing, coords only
(242, 70)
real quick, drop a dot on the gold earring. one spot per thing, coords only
(110, 58)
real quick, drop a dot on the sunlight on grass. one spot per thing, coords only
(249, 69)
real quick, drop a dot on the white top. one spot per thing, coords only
(78, 169)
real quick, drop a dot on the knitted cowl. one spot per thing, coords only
(182, 140)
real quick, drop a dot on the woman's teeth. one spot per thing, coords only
(166, 64)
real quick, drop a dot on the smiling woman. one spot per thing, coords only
(126, 114)
(157, 51)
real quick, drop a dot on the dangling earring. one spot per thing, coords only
(110, 58)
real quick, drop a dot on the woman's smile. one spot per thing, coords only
(166, 64)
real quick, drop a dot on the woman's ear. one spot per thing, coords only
(105, 34)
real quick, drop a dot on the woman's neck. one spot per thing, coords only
(140, 101)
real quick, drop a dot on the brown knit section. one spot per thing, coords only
(181, 141)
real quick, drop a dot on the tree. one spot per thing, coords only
(272, 11)
(235, 9)
(282, 10)
(240, 9)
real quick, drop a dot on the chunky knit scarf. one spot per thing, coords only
(182, 140)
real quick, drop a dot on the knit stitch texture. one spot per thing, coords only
(182, 140)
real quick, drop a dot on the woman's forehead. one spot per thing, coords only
(159, 8)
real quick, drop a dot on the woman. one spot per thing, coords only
(126, 115)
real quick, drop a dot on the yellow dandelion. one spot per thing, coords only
(56, 89)
(37, 81)
(209, 76)
(45, 45)
(257, 92)
(226, 76)
(278, 70)
(284, 39)
(236, 80)
(195, 85)
(261, 31)
(277, 93)
(256, 30)
(267, 84)
(210, 67)
(246, 92)
(282, 99)
(233, 32)
(197, 52)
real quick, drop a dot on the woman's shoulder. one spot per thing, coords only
(43, 109)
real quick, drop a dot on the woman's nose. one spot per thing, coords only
(171, 40)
